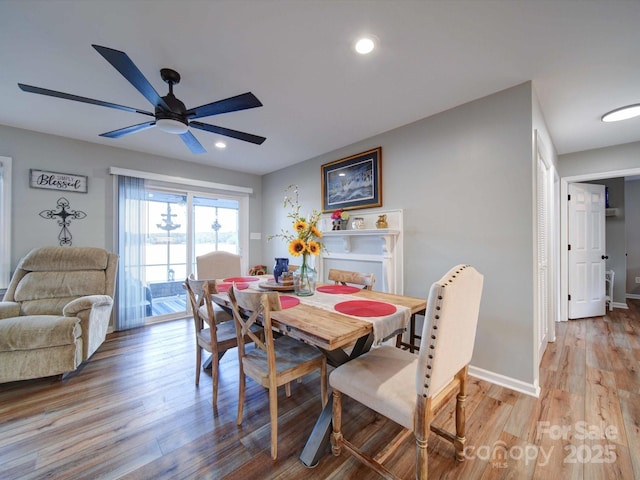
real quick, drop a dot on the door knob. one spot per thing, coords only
(605, 257)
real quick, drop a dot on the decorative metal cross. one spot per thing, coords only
(64, 216)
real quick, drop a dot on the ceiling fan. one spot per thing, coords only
(170, 113)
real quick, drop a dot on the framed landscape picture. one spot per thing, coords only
(353, 182)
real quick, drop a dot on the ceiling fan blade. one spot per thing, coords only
(192, 142)
(69, 96)
(227, 132)
(128, 69)
(129, 130)
(232, 104)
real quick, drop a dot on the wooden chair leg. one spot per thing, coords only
(198, 365)
(273, 410)
(214, 378)
(422, 427)
(241, 387)
(287, 389)
(336, 436)
(461, 416)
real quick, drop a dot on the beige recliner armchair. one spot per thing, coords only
(56, 311)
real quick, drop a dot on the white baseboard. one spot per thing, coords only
(624, 306)
(504, 381)
(635, 296)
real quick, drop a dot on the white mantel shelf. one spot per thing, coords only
(386, 235)
(369, 231)
(366, 250)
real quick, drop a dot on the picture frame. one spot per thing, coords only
(65, 182)
(353, 182)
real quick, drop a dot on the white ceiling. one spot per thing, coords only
(296, 57)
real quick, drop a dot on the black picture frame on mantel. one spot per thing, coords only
(353, 182)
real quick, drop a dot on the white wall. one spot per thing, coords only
(464, 181)
(48, 152)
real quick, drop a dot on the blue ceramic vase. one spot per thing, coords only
(282, 265)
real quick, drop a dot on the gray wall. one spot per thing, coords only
(464, 181)
(632, 208)
(47, 152)
(609, 159)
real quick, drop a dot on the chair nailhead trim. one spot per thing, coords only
(434, 327)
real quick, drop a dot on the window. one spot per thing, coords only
(5, 221)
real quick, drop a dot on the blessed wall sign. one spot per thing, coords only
(58, 181)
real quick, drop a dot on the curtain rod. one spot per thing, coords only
(179, 180)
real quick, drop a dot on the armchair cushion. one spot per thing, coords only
(46, 293)
(9, 309)
(38, 331)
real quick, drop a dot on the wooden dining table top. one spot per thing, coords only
(329, 330)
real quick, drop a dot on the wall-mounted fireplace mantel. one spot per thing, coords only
(374, 250)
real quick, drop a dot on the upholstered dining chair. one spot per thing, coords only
(211, 335)
(344, 277)
(409, 389)
(219, 264)
(275, 361)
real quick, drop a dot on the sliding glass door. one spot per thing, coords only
(175, 226)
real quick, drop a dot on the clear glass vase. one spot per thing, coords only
(304, 278)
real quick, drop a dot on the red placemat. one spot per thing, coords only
(337, 289)
(365, 308)
(223, 287)
(241, 279)
(287, 301)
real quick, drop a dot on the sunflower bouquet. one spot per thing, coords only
(304, 238)
(302, 241)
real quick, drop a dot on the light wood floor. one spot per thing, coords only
(134, 412)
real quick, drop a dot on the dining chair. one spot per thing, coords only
(344, 277)
(218, 265)
(410, 389)
(275, 361)
(211, 335)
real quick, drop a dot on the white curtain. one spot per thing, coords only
(134, 301)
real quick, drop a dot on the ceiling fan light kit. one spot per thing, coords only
(170, 114)
(169, 125)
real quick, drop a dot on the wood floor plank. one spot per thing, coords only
(604, 414)
(630, 404)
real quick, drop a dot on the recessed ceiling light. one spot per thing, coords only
(622, 113)
(220, 145)
(365, 45)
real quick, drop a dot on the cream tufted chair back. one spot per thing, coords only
(449, 331)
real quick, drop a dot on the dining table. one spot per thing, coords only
(342, 321)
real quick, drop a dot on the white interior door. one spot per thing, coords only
(586, 250)
(543, 246)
